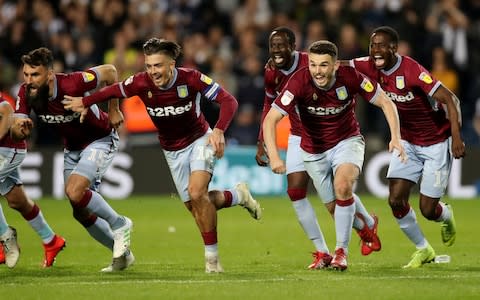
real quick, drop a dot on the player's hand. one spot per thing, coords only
(115, 116)
(21, 128)
(278, 166)
(396, 144)
(73, 103)
(217, 140)
(458, 148)
(261, 157)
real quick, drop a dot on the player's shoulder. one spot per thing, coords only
(346, 72)
(409, 64)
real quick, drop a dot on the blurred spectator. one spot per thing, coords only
(245, 127)
(226, 39)
(443, 71)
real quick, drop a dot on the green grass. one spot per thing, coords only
(262, 260)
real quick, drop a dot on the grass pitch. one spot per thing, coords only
(264, 259)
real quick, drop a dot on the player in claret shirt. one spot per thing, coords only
(89, 147)
(283, 63)
(431, 137)
(172, 98)
(13, 149)
(332, 147)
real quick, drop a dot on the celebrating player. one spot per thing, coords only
(13, 150)
(89, 146)
(431, 137)
(332, 146)
(285, 61)
(172, 98)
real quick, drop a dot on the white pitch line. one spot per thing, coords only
(219, 279)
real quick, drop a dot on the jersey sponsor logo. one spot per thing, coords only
(400, 98)
(59, 119)
(326, 111)
(87, 77)
(400, 82)
(171, 110)
(366, 85)
(287, 98)
(182, 91)
(206, 79)
(425, 78)
(342, 93)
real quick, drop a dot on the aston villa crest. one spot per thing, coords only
(400, 82)
(315, 97)
(149, 94)
(182, 91)
(342, 93)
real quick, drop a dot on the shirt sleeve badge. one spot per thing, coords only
(87, 77)
(366, 85)
(425, 78)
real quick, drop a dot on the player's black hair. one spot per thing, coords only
(39, 57)
(392, 33)
(324, 47)
(156, 45)
(288, 33)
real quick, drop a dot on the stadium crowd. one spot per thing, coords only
(228, 40)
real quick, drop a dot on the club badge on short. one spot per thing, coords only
(342, 93)
(400, 82)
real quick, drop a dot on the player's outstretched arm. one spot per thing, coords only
(269, 135)
(391, 114)
(6, 118)
(454, 114)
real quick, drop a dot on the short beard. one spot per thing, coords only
(38, 102)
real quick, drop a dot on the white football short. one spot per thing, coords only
(322, 166)
(10, 160)
(93, 161)
(294, 161)
(198, 156)
(432, 163)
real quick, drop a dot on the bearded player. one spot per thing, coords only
(89, 147)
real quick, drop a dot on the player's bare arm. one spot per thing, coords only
(454, 115)
(261, 157)
(73, 103)
(21, 128)
(391, 114)
(217, 140)
(269, 135)
(107, 76)
(6, 118)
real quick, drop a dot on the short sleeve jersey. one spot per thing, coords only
(410, 86)
(327, 116)
(175, 110)
(76, 135)
(276, 79)
(7, 141)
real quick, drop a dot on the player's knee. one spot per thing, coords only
(196, 193)
(399, 208)
(343, 188)
(74, 193)
(296, 193)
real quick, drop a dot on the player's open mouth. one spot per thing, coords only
(278, 59)
(379, 61)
